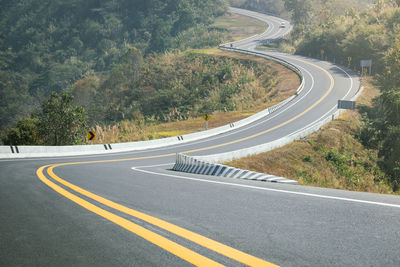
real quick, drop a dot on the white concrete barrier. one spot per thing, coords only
(189, 164)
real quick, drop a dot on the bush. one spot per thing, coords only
(308, 158)
(57, 123)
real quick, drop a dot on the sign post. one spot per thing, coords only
(322, 53)
(91, 136)
(349, 59)
(206, 117)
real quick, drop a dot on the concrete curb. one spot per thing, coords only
(189, 164)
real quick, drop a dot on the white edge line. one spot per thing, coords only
(150, 166)
(333, 108)
(270, 189)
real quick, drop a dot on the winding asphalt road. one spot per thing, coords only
(130, 209)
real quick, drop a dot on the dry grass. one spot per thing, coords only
(288, 81)
(239, 27)
(306, 160)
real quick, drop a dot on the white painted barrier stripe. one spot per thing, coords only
(191, 165)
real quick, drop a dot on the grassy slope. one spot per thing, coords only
(332, 157)
(237, 26)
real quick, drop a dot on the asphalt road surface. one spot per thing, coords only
(130, 209)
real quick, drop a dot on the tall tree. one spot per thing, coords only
(301, 10)
(60, 122)
(389, 109)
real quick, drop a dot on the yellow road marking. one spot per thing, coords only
(189, 235)
(168, 245)
(154, 238)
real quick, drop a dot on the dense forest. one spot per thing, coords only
(48, 46)
(360, 35)
(302, 11)
(99, 64)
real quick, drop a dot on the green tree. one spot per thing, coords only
(391, 155)
(301, 10)
(384, 128)
(389, 111)
(25, 133)
(60, 122)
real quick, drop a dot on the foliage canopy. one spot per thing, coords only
(46, 46)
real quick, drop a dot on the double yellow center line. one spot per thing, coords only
(164, 243)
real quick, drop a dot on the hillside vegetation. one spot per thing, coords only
(302, 11)
(177, 86)
(140, 91)
(359, 35)
(268, 83)
(47, 46)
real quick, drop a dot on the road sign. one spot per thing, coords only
(346, 104)
(206, 117)
(322, 51)
(91, 135)
(349, 59)
(366, 63)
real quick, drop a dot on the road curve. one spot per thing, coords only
(130, 209)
